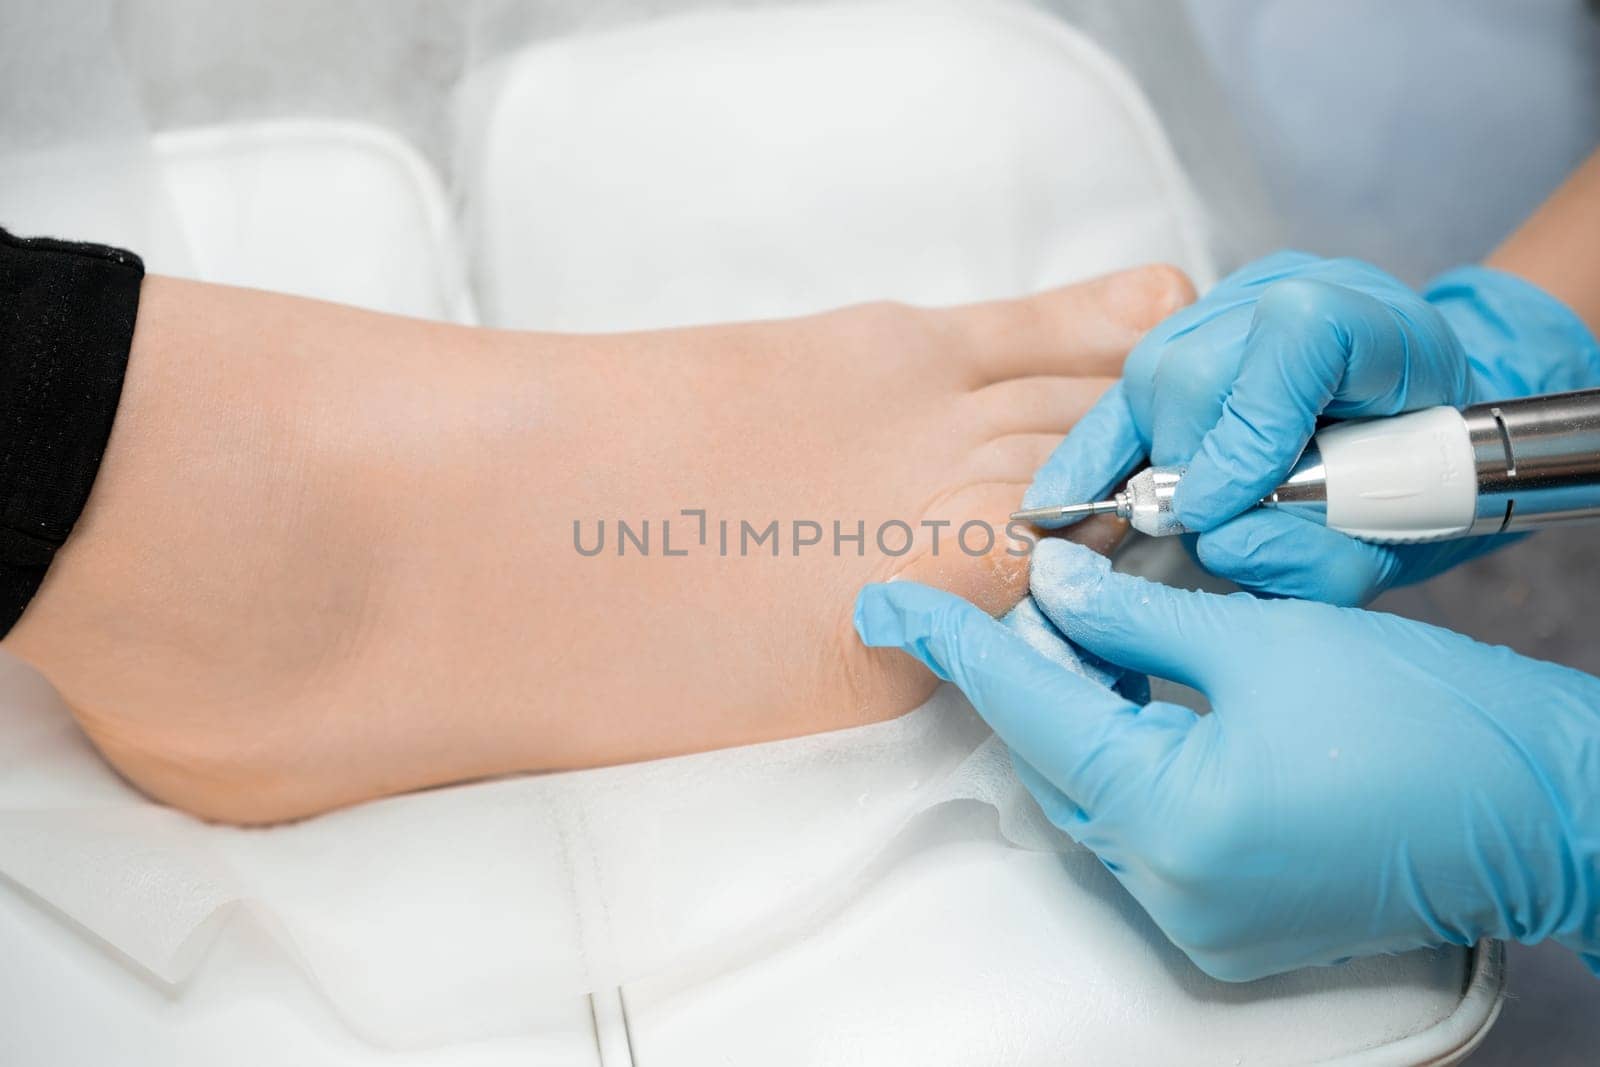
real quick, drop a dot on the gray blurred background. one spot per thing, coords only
(1416, 135)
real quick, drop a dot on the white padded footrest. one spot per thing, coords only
(768, 163)
(340, 211)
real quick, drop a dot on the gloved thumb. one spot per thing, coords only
(1101, 450)
(1142, 626)
(1074, 731)
(1314, 347)
(1295, 357)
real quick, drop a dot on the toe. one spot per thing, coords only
(978, 554)
(1012, 458)
(1033, 405)
(1076, 330)
(1101, 533)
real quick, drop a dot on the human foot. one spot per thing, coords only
(334, 555)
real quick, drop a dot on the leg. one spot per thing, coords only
(330, 554)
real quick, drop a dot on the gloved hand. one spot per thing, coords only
(1363, 784)
(1233, 385)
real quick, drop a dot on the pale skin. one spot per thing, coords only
(329, 554)
(1557, 247)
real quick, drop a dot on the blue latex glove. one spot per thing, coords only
(1363, 784)
(1233, 386)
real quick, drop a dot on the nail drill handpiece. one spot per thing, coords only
(1428, 475)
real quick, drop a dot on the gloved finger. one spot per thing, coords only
(1259, 273)
(1192, 385)
(1269, 551)
(1068, 726)
(1556, 352)
(1144, 626)
(1180, 375)
(1099, 452)
(1273, 552)
(1134, 686)
(1060, 809)
(1029, 623)
(1421, 562)
(1302, 342)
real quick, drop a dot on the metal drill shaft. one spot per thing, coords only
(1066, 511)
(1146, 503)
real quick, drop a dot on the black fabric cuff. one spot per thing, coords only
(66, 326)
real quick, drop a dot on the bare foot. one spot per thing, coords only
(330, 555)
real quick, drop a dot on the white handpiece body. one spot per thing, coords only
(1426, 475)
(1406, 478)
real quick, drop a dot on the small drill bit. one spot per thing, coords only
(1058, 512)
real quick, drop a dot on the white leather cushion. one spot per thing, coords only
(754, 164)
(971, 952)
(67, 998)
(339, 211)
